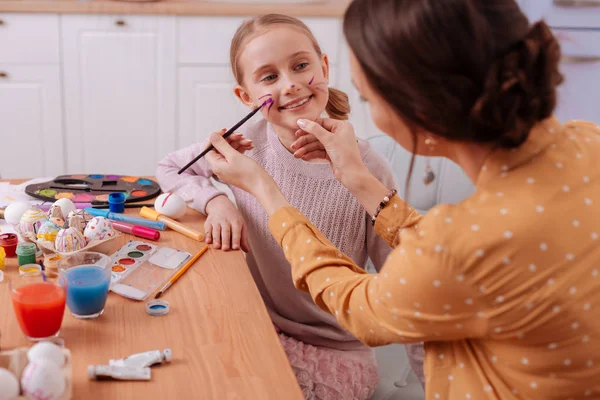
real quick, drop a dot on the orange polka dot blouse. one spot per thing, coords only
(503, 288)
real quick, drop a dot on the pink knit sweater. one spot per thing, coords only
(312, 189)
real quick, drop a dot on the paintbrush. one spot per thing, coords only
(226, 134)
(181, 271)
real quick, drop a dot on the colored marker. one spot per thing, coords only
(161, 226)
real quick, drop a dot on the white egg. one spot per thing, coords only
(14, 211)
(170, 205)
(9, 385)
(41, 379)
(66, 205)
(47, 351)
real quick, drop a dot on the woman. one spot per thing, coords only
(503, 287)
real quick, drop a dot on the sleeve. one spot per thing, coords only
(377, 248)
(193, 185)
(417, 296)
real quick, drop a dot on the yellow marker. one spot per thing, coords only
(154, 215)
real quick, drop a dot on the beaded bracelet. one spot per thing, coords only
(382, 205)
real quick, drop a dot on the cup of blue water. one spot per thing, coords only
(87, 275)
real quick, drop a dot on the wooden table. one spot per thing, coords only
(223, 342)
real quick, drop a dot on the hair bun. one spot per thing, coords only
(520, 89)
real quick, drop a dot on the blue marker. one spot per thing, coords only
(96, 212)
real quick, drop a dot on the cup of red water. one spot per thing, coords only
(87, 275)
(39, 304)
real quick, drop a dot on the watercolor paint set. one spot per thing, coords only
(139, 268)
(94, 188)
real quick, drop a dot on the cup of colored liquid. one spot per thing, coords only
(88, 279)
(39, 304)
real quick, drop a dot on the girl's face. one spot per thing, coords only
(282, 65)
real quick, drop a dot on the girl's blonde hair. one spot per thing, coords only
(337, 107)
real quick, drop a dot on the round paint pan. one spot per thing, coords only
(157, 307)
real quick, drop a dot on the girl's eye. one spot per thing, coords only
(301, 66)
(269, 78)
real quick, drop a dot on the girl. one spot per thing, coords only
(275, 58)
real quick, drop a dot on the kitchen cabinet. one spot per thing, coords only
(31, 130)
(119, 92)
(31, 124)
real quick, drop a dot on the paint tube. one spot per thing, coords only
(102, 372)
(143, 360)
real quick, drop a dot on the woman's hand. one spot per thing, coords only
(339, 146)
(225, 227)
(239, 170)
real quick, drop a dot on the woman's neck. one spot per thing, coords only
(469, 156)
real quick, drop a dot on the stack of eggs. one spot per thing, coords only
(42, 378)
(64, 228)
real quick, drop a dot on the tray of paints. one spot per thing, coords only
(139, 268)
(129, 257)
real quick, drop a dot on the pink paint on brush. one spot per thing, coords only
(311, 80)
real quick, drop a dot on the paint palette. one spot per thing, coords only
(139, 268)
(88, 188)
(129, 257)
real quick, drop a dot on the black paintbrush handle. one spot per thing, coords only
(226, 135)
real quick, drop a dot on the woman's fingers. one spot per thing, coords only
(303, 141)
(316, 155)
(309, 148)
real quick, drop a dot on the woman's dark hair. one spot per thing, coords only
(465, 70)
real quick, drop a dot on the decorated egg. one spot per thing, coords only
(32, 220)
(170, 205)
(66, 206)
(55, 215)
(99, 228)
(84, 215)
(14, 212)
(48, 231)
(42, 380)
(9, 385)
(68, 240)
(47, 351)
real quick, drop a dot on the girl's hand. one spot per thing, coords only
(239, 142)
(225, 227)
(339, 147)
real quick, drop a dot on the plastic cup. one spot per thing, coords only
(39, 304)
(87, 275)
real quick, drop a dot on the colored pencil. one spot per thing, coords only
(181, 272)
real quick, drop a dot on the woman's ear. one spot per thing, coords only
(244, 96)
(325, 66)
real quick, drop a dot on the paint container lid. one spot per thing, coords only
(26, 249)
(157, 307)
(30, 270)
(116, 202)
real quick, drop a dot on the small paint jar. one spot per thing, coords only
(9, 242)
(26, 253)
(51, 264)
(116, 202)
(30, 270)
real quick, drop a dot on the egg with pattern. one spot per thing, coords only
(32, 220)
(68, 240)
(42, 380)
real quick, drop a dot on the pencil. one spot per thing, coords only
(225, 135)
(181, 271)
